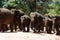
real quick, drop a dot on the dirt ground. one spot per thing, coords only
(28, 36)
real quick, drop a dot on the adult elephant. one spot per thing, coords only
(17, 15)
(6, 17)
(25, 22)
(36, 21)
(57, 24)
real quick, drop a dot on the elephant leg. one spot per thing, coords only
(34, 30)
(23, 29)
(39, 31)
(15, 27)
(6, 28)
(2, 28)
(42, 28)
(11, 27)
(39, 28)
(57, 29)
(28, 29)
(47, 29)
(20, 27)
(50, 29)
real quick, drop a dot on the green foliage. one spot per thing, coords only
(24, 6)
(1, 3)
(54, 8)
(10, 4)
(42, 6)
(19, 4)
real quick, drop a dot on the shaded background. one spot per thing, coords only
(51, 7)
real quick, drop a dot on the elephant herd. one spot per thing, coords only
(16, 19)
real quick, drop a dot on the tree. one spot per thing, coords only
(19, 4)
(1, 3)
(42, 6)
(54, 8)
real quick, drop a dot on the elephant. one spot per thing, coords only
(6, 17)
(37, 23)
(57, 24)
(48, 23)
(25, 23)
(17, 14)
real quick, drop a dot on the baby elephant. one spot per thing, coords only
(57, 24)
(49, 23)
(25, 22)
(36, 21)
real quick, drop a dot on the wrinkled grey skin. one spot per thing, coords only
(6, 17)
(37, 22)
(17, 14)
(57, 24)
(52, 23)
(48, 23)
(25, 22)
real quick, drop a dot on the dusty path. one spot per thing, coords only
(28, 36)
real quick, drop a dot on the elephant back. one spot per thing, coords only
(5, 16)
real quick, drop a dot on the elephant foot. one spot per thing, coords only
(3, 31)
(34, 31)
(27, 31)
(0, 30)
(15, 29)
(24, 31)
(7, 29)
(38, 31)
(11, 30)
(20, 29)
(42, 29)
(49, 32)
(58, 33)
